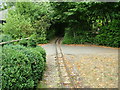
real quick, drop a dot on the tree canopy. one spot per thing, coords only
(79, 22)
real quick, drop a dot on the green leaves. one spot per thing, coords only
(109, 35)
(22, 67)
(22, 22)
(17, 26)
(5, 38)
(92, 22)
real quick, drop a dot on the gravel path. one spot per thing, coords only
(89, 66)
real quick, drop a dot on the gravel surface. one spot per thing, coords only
(51, 77)
(95, 71)
(90, 66)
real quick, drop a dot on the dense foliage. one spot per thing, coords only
(22, 22)
(17, 26)
(78, 22)
(96, 23)
(22, 67)
(4, 38)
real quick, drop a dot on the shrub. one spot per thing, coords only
(42, 51)
(76, 37)
(17, 26)
(32, 42)
(5, 37)
(68, 38)
(109, 35)
(22, 66)
(16, 70)
(23, 42)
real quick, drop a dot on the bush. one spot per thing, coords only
(109, 35)
(23, 42)
(68, 38)
(22, 67)
(76, 37)
(42, 51)
(32, 42)
(17, 26)
(5, 37)
(16, 70)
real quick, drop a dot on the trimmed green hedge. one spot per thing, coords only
(22, 67)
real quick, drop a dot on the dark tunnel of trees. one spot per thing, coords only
(77, 22)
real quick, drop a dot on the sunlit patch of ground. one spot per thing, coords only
(96, 71)
(41, 44)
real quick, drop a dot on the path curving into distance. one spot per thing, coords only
(80, 66)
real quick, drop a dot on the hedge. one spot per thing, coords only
(22, 67)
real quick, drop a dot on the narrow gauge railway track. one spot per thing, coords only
(66, 81)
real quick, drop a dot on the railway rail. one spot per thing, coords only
(70, 70)
(66, 80)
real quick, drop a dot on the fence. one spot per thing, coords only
(12, 41)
